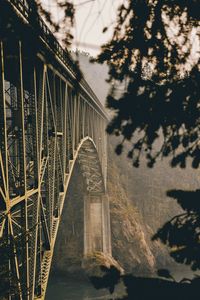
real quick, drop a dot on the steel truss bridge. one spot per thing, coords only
(49, 118)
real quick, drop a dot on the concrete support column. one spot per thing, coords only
(96, 224)
(107, 248)
(87, 227)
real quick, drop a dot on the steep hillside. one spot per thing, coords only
(146, 188)
(129, 243)
(131, 233)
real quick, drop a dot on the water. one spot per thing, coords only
(70, 289)
(62, 288)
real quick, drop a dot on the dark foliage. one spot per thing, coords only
(109, 280)
(148, 288)
(159, 79)
(62, 25)
(155, 97)
(182, 233)
(164, 273)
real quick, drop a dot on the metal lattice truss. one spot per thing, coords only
(46, 123)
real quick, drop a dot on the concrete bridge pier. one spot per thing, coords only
(97, 237)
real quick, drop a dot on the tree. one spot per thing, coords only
(150, 55)
(65, 23)
(153, 58)
(182, 232)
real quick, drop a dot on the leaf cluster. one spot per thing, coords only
(182, 233)
(148, 288)
(155, 93)
(64, 24)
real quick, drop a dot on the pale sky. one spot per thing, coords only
(91, 16)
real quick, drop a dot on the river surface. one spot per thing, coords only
(60, 288)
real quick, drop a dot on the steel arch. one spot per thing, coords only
(47, 121)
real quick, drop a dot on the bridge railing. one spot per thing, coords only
(25, 9)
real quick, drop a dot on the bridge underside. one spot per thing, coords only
(96, 205)
(48, 120)
(80, 233)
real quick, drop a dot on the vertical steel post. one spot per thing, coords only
(23, 186)
(3, 126)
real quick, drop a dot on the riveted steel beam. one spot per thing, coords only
(47, 124)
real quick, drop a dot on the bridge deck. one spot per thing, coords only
(49, 118)
(26, 12)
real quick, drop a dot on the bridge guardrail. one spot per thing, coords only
(26, 11)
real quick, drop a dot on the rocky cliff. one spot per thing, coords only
(131, 245)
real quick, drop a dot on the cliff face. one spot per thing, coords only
(141, 211)
(130, 244)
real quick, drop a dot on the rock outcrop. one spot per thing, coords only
(129, 244)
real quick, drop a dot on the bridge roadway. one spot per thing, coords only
(49, 118)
